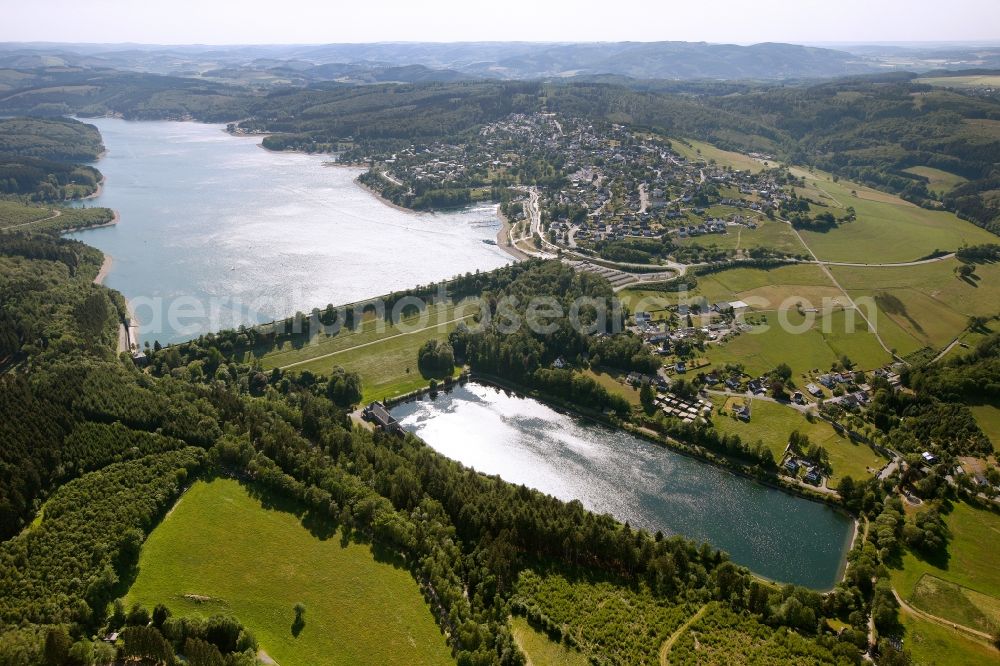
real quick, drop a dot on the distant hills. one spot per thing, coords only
(414, 62)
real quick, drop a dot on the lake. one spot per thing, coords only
(776, 535)
(216, 232)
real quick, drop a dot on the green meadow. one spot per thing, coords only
(931, 644)
(790, 338)
(223, 550)
(963, 586)
(988, 418)
(887, 229)
(694, 150)
(923, 305)
(540, 649)
(938, 181)
(768, 234)
(769, 288)
(384, 354)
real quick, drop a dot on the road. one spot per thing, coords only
(674, 637)
(889, 469)
(392, 180)
(643, 199)
(918, 262)
(951, 345)
(850, 301)
(674, 269)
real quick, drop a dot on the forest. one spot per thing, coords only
(871, 128)
(96, 451)
(40, 158)
(99, 450)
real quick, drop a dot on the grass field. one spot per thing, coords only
(956, 603)
(614, 384)
(772, 423)
(540, 649)
(973, 81)
(770, 234)
(887, 229)
(988, 418)
(796, 281)
(927, 304)
(256, 562)
(939, 181)
(793, 281)
(930, 644)
(972, 563)
(695, 150)
(818, 346)
(385, 355)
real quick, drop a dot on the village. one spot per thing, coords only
(599, 183)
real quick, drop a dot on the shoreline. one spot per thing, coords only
(381, 198)
(670, 444)
(503, 236)
(104, 270)
(112, 222)
(100, 186)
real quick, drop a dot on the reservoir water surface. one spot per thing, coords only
(774, 534)
(216, 231)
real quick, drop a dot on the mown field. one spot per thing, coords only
(694, 150)
(614, 383)
(805, 345)
(956, 603)
(384, 354)
(924, 305)
(887, 229)
(964, 586)
(971, 81)
(769, 234)
(540, 649)
(252, 558)
(988, 418)
(930, 644)
(768, 289)
(939, 181)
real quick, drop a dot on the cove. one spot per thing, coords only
(775, 534)
(216, 232)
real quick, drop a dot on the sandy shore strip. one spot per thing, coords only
(128, 331)
(503, 237)
(100, 186)
(131, 330)
(105, 269)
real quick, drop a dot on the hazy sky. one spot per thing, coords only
(326, 21)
